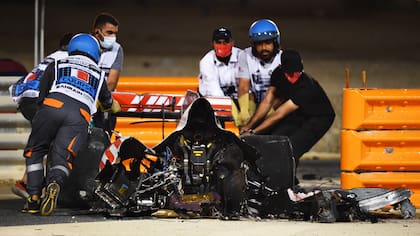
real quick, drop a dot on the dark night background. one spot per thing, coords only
(336, 29)
(168, 37)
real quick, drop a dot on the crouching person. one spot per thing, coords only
(69, 91)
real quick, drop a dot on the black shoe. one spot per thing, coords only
(50, 201)
(31, 206)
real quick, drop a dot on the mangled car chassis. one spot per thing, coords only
(202, 170)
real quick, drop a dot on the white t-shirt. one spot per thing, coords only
(216, 78)
(257, 71)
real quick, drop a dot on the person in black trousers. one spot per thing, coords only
(302, 109)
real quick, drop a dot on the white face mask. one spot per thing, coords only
(108, 41)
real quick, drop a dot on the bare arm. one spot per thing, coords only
(243, 86)
(112, 80)
(115, 70)
(284, 109)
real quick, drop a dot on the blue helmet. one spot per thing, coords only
(262, 30)
(85, 44)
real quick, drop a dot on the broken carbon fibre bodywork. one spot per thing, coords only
(202, 170)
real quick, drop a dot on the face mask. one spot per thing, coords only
(292, 77)
(223, 50)
(108, 42)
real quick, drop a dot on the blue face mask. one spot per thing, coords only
(108, 42)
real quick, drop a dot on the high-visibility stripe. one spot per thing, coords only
(62, 168)
(85, 115)
(34, 167)
(53, 102)
(70, 147)
(70, 165)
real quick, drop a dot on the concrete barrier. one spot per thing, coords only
(6, 81)
(13, 120)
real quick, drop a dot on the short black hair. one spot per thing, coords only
(65, 40)
(102, 18)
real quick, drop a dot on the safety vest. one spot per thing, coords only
(108, 58)
(260, 73)
(79, 78)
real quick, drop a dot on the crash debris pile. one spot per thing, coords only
(202, 170)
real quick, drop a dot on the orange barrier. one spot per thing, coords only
(380, 140)
(390, 180)
(381, 109)
(163, 85)
(380, 150)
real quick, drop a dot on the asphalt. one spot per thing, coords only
(153, 45)
(312, 173)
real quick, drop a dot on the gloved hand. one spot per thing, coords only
(235, 114)
(247, 109)
(115, 107)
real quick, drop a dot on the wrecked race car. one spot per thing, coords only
(199, 169)
(202, 170)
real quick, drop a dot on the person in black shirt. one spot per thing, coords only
(302, 110)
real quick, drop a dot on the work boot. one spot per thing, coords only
(31, 206)
(50, 201)
(19, 188)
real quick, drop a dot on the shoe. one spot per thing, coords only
(31, 206)
(50, 201)
(19, 188)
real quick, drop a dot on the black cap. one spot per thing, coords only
(291, 61)
(222, 33)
